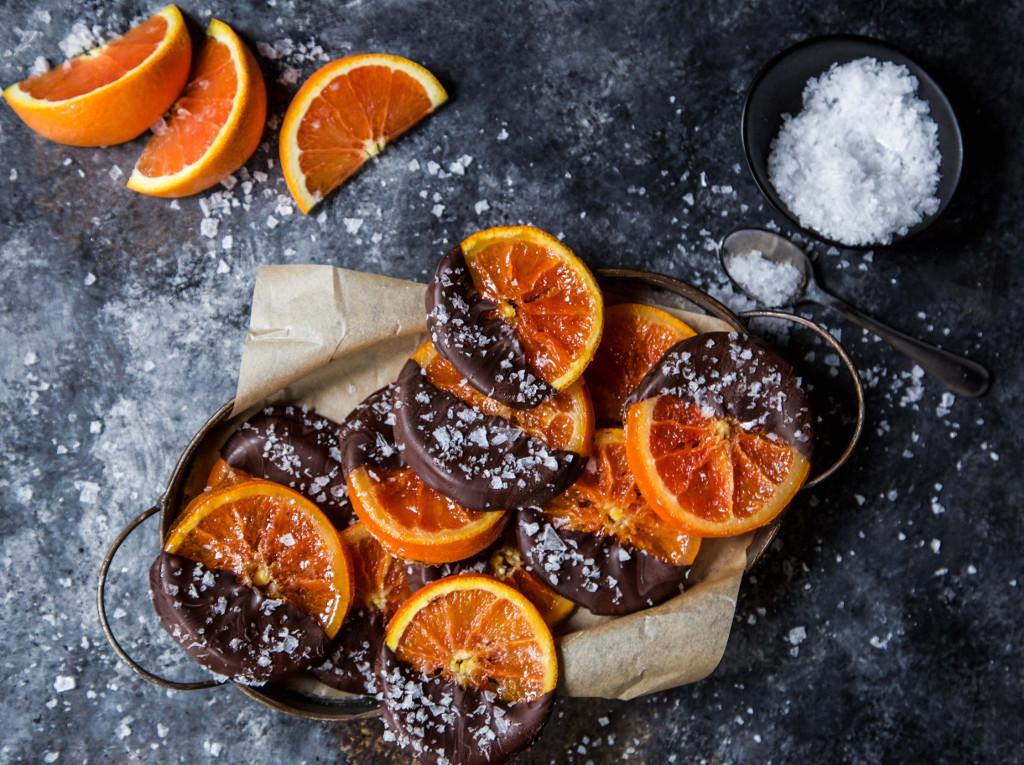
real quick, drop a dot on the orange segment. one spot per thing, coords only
(415, 522)
(213, 128)
(544, 292)
(272, 538)
(111, 94)
(345, 114)
(381, 582)
(506, 564)
(635, 338)
(479, 632)
(563, 421)
(708, 475)
(606, 500)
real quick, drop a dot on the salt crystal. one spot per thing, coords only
(861, 162)
(208, 227)
(64, 683)
(352, 225)
(481, 207)
(797, 635)
(773, 283)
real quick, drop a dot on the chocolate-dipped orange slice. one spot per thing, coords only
(516, 312)
(719, 435)
(468, 672)
(600, 544)
(479, 452)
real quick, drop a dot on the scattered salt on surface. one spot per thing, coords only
(64, 683)
(861, 161)
(771, 282)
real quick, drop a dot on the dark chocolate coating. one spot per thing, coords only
(483, 347)
(419, 575)
(481, 461)
(437, 720)
(351, 659)
(598, 572)
(738, 377)
(297, 448)
(230, 628)
(368, 436)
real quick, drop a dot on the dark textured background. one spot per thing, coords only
(121, 325)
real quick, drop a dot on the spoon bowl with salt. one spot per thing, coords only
(775, 272)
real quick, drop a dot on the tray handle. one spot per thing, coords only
(858, 386)
(101, 608)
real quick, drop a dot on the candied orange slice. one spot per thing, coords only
(478, 632)
(111, 94)
(634, 340)
(506, 564)
(213, 128)
(415, 522)
(708, 475)
(273, 539)
(563, 421)
(545, 292)
(381, 582)
(222, 474)
(605, 500)
(345, 114)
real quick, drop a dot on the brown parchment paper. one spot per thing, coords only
(327, 337)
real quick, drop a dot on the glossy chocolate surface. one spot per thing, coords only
(230, 628)
(368, 437)
(351, 657)
(467, 331)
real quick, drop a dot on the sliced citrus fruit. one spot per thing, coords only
(345, 114)
(381, 582)
(413, 521)
(564, 421)
(478, 632)
(273, 539)
(111, 94)
(706, 474)
(222, 474)
(213, 128)
(635, 337)
(506, 564)
(605, 500)
(545, 292)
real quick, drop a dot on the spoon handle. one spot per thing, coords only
(961, 375)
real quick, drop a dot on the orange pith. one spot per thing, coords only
(544, 292)
(415, 522)
(381, 582)
(479, 632)
(563, 421)
(113, 93)
(345, 114)
(272, 538)
(707, 475)
(635, 338)
(606, 500)
(213, 127)
(222, 474)
(506, 565)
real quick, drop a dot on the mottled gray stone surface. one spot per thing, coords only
(883, 626)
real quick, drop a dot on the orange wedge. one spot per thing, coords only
(345, 114)
(273, 539)
(479, 632)
(213, 128)
(113, 93)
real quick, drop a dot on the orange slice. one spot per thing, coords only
(563, 421)
(272, 538)
(606, 500)
(381, 582)
(415, 522)
(479, 632)
(113, 93)
(506, 564)
(707, 475)
(222, 474)
(544, 292)
(213, 128)
(635, 338)
(345, 114)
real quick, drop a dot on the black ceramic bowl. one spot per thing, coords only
(778, 89)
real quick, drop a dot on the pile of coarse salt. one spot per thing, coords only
(771, 282)
(861, 162)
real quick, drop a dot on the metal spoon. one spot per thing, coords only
(961, 375)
